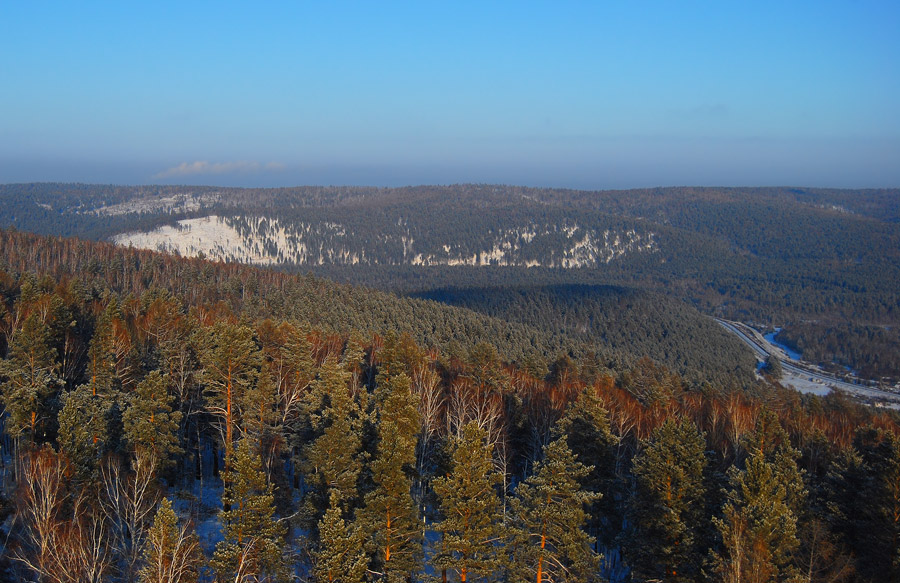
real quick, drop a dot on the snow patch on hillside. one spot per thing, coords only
(266, 241)
(582, 248)
(211, 235)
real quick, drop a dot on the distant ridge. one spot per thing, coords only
(819, 263)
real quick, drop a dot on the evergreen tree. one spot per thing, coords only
(550, 519)
(260, 417)
(171, 553)
(390, 514)
(353, 359)
(666, 508)
(332, 463)
(484, 368)
(772, 440)
(758, 528)
(400, 354)
(84, 430)
(253, 536)
(110, 354)
(299, 372)
(340, 557)
(585, 426)
(90, 421)
(31, 375)
(149, 421)
(773, 367)
(864, 501)
(472, 536)
(230, 359)
(651, 384)
(262, 425)
(169, 332)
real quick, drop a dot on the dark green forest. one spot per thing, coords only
(634, 322)
(173, 419)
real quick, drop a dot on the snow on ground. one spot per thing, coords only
(202, 503)
(613, 567)
(804, 384)
(266, 241)
(805, 377)
(210, 235)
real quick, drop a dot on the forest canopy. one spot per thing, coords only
(820, 264)
(169, 418)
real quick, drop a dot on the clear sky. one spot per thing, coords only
(577, 94)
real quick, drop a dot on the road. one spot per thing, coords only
(803, 370)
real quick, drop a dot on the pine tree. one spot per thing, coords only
(84, 430)
(390, 514)
(262, 425)
(90, 421)
(31, 375)
(400, 354)
(773, 367)
(772, 440)
(253, 536)
(550, 519)
(230, 359)
(110, 354)
(485, 369)
(666, 508)
(864, 500)
(299, 370)
(758, 528)
(171, 553)
(332, 461)
(472, 536)
(585, 425)
(260, 418)
(149, 421)
(169, 331)
(340, 557)
(354, 358)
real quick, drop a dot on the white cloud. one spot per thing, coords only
(204, 167)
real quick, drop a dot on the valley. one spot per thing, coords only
(315, 292)
(808, 378)
(819, 263)
(204, 344)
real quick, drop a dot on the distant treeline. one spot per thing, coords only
(797, 258)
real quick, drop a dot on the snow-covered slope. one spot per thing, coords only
(266, 241)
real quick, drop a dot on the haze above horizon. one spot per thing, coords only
(572, 94)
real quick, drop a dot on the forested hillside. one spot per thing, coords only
(818, 263)
(95, 268)
(168, 418)
(623, 319)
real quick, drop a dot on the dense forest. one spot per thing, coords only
(344, 309)
(631, 321)
(820, 264)
(172, 419)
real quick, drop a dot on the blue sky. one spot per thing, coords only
(576, 94)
